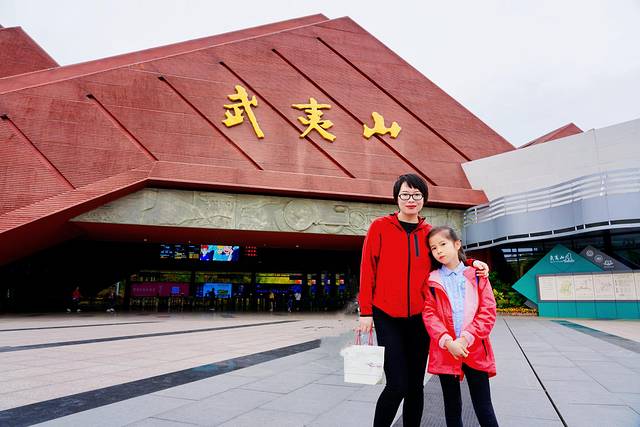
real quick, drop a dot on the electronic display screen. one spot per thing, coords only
(219, 253)
(179, 252)
(215, 290)
(166, 251)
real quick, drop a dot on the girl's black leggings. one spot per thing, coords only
(406, 348)
(480, 397)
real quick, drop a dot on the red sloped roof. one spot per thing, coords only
(566, 130)
(76, 137)
(20, 54)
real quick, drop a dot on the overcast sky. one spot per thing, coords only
(523, 67)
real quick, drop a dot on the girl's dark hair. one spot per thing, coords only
(413, 181)
(450, 234)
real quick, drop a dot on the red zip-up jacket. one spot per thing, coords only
(479, 318)
(393, 268)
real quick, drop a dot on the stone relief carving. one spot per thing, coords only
(200, 209)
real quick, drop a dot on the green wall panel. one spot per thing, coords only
(586, 309)
(606, 310)
(627, 309)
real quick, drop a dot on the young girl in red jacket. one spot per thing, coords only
(459, 313)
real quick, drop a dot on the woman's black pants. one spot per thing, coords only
(406, 348)
(480, 397)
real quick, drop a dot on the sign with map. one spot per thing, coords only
(603, 284)
(624, 286)
(583, 285)
(589, 287)
(547, 288)
(564, 285)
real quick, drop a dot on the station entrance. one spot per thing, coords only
(176, 277)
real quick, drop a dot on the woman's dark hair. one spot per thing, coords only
(450, 234)
(413, 181)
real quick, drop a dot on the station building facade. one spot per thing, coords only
(246, 166)
(563, 207)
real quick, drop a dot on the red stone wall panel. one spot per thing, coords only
(24, 179)
(566, 130)
(281, 149)
(160, 120)
(20, 54)
(282, 86)
(76, 70)
(72, 132)
(411, 88)
(416, 143)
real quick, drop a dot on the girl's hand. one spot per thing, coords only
(365, 325)
(463, 342)
(482, 268)
(456, 349)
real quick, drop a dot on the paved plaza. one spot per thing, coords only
(285, 370)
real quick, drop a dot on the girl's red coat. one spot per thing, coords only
(438, 320)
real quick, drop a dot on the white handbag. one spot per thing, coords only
(363, 364)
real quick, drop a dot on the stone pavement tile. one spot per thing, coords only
(52, 391)
(368, 393)
(598, 415)
(609, 367)
(334, 379)
(21, 384)
(312, 399)
(590, 355)
(554, 373)
(325, 365)
(219, 408)
(270, 418)
(618, 383)
(158, 422)
(515, 373)
(11, 400)
(284, 382)
(62, 377)
(256, 371)
(295, 362)
(581, 392)
(202, 389)
(631, 399)
(547, 360)
(349, 413)
(8, 366)
(572, 348)
(46, 361)
(28, 372)
(512, 420)
(120, 413)
(125, 361)
(631, 362)
(535, 345)
(105, 369)
(522, 403)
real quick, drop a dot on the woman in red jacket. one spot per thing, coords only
(395, 265)
(459, 313)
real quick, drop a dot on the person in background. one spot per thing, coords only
(111, 300)
(272, 300)
(395, 264)
(75, 300)
(459, 313)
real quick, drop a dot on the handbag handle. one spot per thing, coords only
(370, 340)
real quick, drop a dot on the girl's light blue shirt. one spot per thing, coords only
(454, 284)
